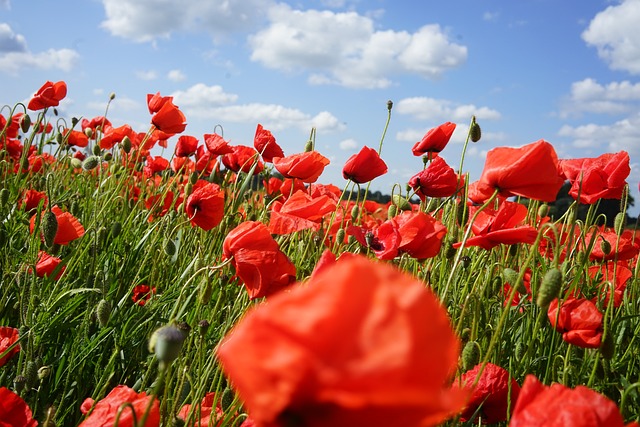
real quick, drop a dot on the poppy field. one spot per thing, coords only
(223, 285)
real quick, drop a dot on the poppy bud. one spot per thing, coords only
(475, 133)
(169, 247)
(549, 288)
(116, 229)
(355, 212)
(193, 178)
(108, 156)
(75, 163)
(44, 372)
(49, 228)
(389, 105)
(340, 235)
(392, 211)
(25, 123)
(96, 150)
(3, 235)
(619, 223)
(470, 355)
(543, 210)
(112, 96)
(188, 189)
(18, 383)
(608, 346)
(90, 163)
(605, 246)
(126, 144)
(203, 327)
(227, 399)
(59, 138)
(308, 146)
(103, 312)
(88, 132)
(166, 343)
(510, 276)
(401, 202)
(31, 374)
(4, 196)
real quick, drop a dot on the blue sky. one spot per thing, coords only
(565, 71)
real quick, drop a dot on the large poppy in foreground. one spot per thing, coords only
(105, 411)
(360, 344)
(14, 412)
(307, 166)
(205, 206)
(49, 95)
(602, 177)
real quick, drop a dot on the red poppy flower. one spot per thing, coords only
(8, 337)
(14, 412)
(364, 166)
(526, 283)
(159, 204)
(205, 206)
(494, 393)
(578, 320)
(105, 411)
(307, 166)
(434, 140)
(360, 344)
(205, 411)
(420, 234)
(49, 95)
(75, 138)
(242, 158)
(216, 144)
(10, 129)
(530, 171)
(504, 226)
(328, 259)
(611, 275)
(436, 180)
(290, 186)
(205, 161)
(69, 228)
(155, 102)
(558, 405)
(260, 264)
(383, 240)
(169, 119)
(265, 143)
(299, 212)
(46, 265)
(592, 179)
(95, 124)
(142, 293)
(155, 165)
(186, 146)
(622, 247)
(113, 136)
(31, 199)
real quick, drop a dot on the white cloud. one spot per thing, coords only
(423, 108)
(315, 41)
(146, 75)
(176, 76)
(147, 20)
(590, 96)
(213, 103)
(621, 135)
(614, 33)
(348, 144)
(15, 55)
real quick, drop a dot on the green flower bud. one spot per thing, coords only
(355, 212)
(19, 383)
(49, 228)
(4, 197)
(126, 144)
(166, 343)
(90, 163)
(389, 105)
(619, 223)
(475, 133)
(75, 163)
(308, 146)
(25, 123)
(543, 210)
(31, 374)
(401, 202)
(103, 312)
(470, 355)
(605, 246)
(169, 247)
(88, 132)
(108, 156)
(228, 396)
(608, 346)
(193, 178)
(44, 372)
(392, 211)
(340, 235)
(549, 288)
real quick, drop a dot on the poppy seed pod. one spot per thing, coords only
(549, 288)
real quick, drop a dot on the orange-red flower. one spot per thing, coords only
(142, 293)
(364, 166)
(383, 240)
(265, 143)
(75, 138)
(8, 337)
(243, 158)
(493, 394)
(578, 320)
(186, 146)
(69, 228)
(558, 405)
(530, 171)
(205, 206)
(14, 412)
(592, 179)
(436, 180)
(299, 212)
(31, 199)
(47, 264)
(113, 136)
(502, 226)
(169, 119)
(307, 166)
(434, 140)
(155, 102)
(49, 95)
(204, 412)
(105, 411)
(420, 234)
(260, 264)
(613, 279)
(360, 344)
(217, 145)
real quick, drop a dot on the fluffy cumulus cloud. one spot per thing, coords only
(614, 33)
(431, 109)
(147, 20)
(15, 55)
(592, 97)
(348, 144)
(213, 103)
(595, 139)
(315, 41)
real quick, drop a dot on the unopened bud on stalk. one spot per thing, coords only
(188, 189)
(340, 235)
(169, 247)
(96, 150)
(227, 398)
(392, 211)
(193, 177)
(88, 132)
(608, 346)
(543, 210)
(401, 202)
(605, 246)
(75, 163)
(619, 223)
(90, 163)
(475, 133)
(166, 343)
(103, 312)
(116, 229)
(470, 355)
(49, 228)
(31, 374)
(112, 96)
(549, 288)
(25, 123)
(355, 212)
(108, 156)
(389, 105)
(44, 372)
(308, 146)
(4, 196)
(126, 144)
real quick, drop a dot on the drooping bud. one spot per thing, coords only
(169, 247)
(126, 144)
(166, 343)
(25, 123)
(4, 197)
(605, 246)
(549, 288)
(44, 372)
(88, 132)
(90, 163)
(475, 133)
(470, 355)
(49, 228)
(103, 312)
(401, 202)
(392, 211)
